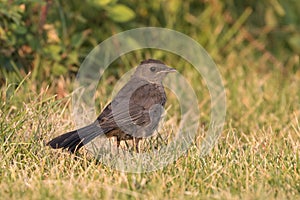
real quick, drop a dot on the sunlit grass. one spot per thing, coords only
(257, 155)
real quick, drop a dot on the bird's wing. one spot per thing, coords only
(141, 107)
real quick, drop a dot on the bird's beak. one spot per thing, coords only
(168, 69)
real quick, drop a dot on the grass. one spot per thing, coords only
(256, 157)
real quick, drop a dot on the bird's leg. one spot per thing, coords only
(118, 143)
(136, 142)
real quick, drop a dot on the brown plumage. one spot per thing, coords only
(133, 114)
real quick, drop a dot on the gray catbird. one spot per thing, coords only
(134, 113)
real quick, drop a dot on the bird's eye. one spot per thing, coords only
(152, 69)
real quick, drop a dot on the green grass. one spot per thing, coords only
(256, 157)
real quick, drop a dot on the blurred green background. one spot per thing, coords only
(51, 38)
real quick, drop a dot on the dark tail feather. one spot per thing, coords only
(74, 140)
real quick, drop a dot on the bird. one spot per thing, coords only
(133, 114)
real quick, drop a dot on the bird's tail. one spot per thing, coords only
(74, 140)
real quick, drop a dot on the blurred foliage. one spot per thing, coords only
(51, 38)
(277, 20)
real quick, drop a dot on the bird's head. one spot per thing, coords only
(152, 70)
